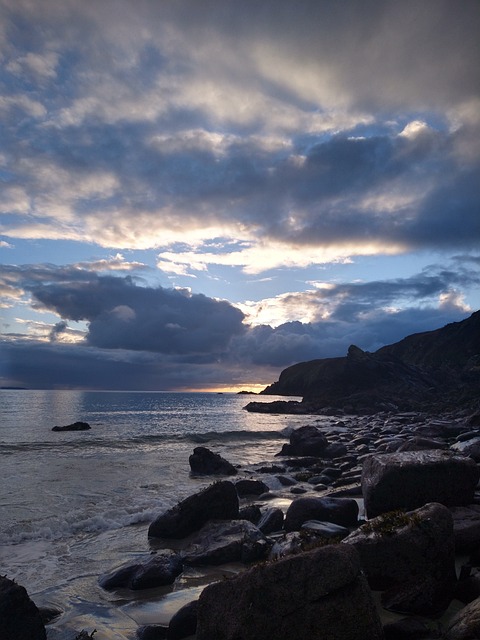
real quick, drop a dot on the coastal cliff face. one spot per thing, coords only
(422, 369)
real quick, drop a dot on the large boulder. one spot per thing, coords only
(410, 479)
(411, 556)
(19, 617)
(206, 462)
(316, 595)
(219, 501)
(342, 511)
(220, 542)
(305, 441)
(158, 570)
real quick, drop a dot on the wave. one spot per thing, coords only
(89, 443)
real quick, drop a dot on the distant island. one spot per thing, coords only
(437, 369)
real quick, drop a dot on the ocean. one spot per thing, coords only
(75, 505)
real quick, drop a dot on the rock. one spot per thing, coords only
(342, 511)
(19, 617)
(76, 426)
(335, 450)
(271, 520)
(205, 462)
(469, 448)
(316, 595)
(159, 570)
(406, 629)
(219, 501)
(251, 488)
(474, 420)
(411, 556)
(49, 613)
(152, 632)
(325, 529)
(418, 443)
(413, 478)
(227, 541)
(305, 441)
(251, 512)
(465, 625)
(466, 527)
(468, 585)
(184, 622)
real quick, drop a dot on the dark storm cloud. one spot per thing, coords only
(122, 315)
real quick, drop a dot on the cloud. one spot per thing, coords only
(122, 315)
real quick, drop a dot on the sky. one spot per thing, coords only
(196, 194)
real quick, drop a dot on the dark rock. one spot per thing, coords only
(325, 529)
(251, 512)
(226, 541)
(298, 490)
(205, 462)
(152, 632)
(474, 420)
(342, 511)
(184, 622)
(19, 617)
(465, 625)
(316, 595)
(286, 481)
(406, 629)
(159, 570)
(335, 450)
(418, 443)
(413, 478)
(217, 502)
(251, 488)
(466, 527)
(49, 613)
(469, 448)
(76, 426)
(271, 520)
(468, 586)
(410, 555)
(306, 441)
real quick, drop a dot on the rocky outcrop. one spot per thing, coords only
(410, 557)
(316, 595)
(305, 441)
(19, 617)
(158, 570)
(410, 479)
(217, 502)
(75, 426)
(424, 370)
(205, 462)
(465, 625)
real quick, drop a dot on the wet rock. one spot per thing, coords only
(335, 450)
(469, 448)
(75, 426)
(151, 632)
(19, 617)
(406, 629)
(421, 444)
(271, 520)
(219, 501)
(251, 512)
(342, 511)
(205, 462)
(305, 441)
(466, 527)
(465, 625)
(184, 622)
(251, 488)
(411, 556)
(313, 595)
(227, 541)
(159, 570)
(325, 529)
(413, 478)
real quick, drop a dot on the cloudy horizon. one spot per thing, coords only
(198, 195)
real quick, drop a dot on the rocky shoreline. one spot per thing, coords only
(372, 531)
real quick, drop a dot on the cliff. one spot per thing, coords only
(434, 368)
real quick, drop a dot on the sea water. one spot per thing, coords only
(74, 505)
